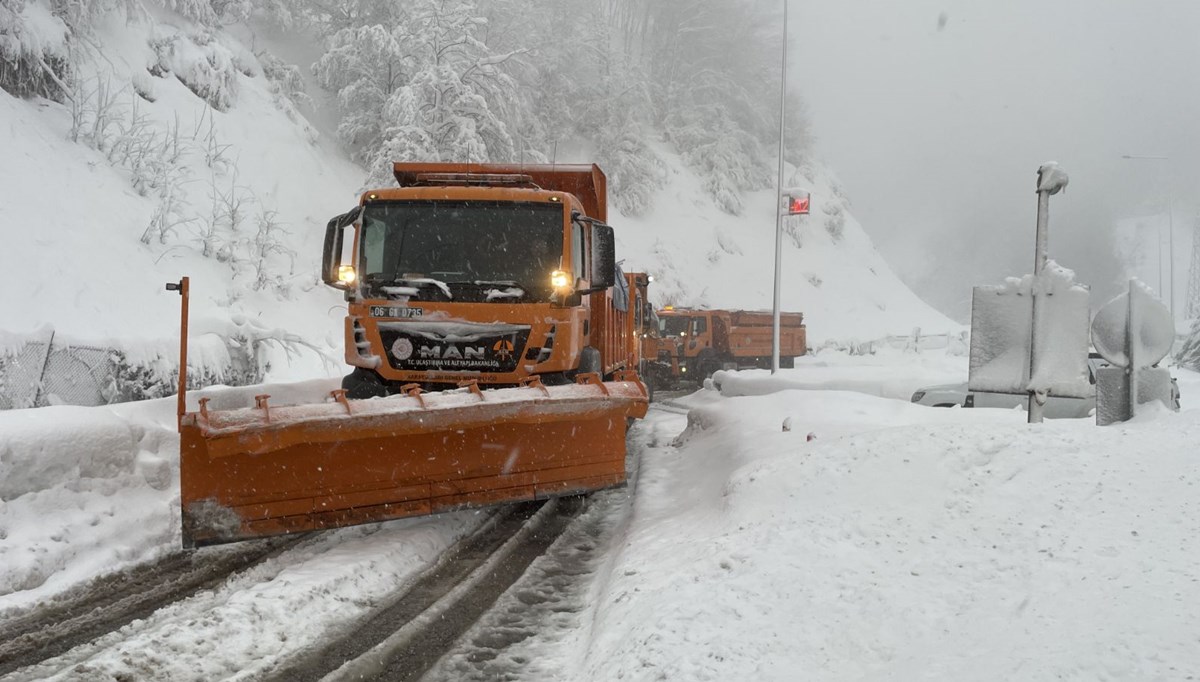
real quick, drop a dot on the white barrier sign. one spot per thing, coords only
(1001, 323)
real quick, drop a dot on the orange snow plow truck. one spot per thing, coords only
(704, 341)
(463, 278)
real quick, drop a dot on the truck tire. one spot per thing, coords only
(787, 362)
(589, 361)
(364, 383)
(707, 363)
(649, 380)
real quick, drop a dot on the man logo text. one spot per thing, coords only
(451, 353)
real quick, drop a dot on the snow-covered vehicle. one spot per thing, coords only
(951, 395)
(464, 277)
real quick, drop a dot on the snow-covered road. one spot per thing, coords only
(903, 542)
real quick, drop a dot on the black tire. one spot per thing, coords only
(787, 363)
(706, 365)
(364, 383)
(649, 380)
(589, 361)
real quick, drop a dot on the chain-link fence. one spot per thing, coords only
(46, 372)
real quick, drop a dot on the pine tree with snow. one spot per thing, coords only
(453, 107)
(365, 66)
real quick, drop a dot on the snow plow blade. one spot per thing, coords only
(266, 470)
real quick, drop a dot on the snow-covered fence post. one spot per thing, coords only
(41, 382)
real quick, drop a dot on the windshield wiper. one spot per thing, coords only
(384, 282)
(501, 288)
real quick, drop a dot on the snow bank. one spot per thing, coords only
(887, 374)
(43, 448)
(87, 490)
(905, 543)
(82, 491)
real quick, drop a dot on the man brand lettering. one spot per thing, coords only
(451, 353)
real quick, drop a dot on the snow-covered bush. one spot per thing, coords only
(835, 220)
(128, 381)
(33, 51)
(729, 159)
(635, 172)
(212, 12)
(287, 85)
(200, 62)
(266, 246)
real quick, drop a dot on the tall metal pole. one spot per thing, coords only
(1131, 372)
(1171, 260)
(1039, 262)
(779, 200)
(182, 286)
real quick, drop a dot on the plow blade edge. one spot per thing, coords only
(268, 470)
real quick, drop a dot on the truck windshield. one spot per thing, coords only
(674, 326)
(490, 249)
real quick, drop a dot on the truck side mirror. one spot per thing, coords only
(332, 272)
(604, 257)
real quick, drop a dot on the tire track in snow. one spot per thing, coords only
(549, 609)
(406, 637)
(110, 602)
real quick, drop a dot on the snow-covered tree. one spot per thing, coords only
(33, 51)
(365, 66)
(456, 103)
(467, 80)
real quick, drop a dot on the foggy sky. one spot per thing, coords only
(935, 115)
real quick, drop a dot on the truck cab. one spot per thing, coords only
(479, 272)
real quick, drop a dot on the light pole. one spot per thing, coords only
(779, 199)
(1170, 234)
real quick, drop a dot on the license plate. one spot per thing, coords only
(395, 311)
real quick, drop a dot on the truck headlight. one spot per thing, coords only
(346, 274)
(560, 279)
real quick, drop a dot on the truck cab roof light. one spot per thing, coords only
(476, 179)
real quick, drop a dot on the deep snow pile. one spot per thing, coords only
(903, 542)
(86, 490)
(906, 543)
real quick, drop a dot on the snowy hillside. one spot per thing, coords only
(142, 181)
(702, 257)
(185, 151)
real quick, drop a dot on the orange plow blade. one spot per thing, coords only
(267, 470)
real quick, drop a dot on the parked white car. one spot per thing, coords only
(950, 395)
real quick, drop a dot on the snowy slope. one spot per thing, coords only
(76, 207)
(73, 218)
(702, 257)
